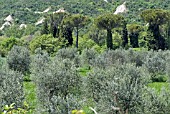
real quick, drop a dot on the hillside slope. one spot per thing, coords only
(23, 11)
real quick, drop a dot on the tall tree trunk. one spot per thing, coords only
(134, 39)
(70, 37)
(168, 35)
(160, 41)
(109, 39)
(125, 36)
(54, 31)
(77, 35)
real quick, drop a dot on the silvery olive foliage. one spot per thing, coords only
(109, 58)
(11, 87)
(156, 102)
(120, 86)
(58, 83)
(136, 57)
(19, 59)
(120, 56)
(69, 53)
(156, 62)
(88, 56)
(2, 62)
(168, 68)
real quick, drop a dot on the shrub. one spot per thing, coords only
(69, 53)
(6, 45)
(56, 80)
(85, 42)
(2, 62)
(121, 86)
(87, 56)
(156, 103)
(111, 57)
(19, 59)
(11, 87)
(47, 43)
(155, 62)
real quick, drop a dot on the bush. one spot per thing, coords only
(110, 58)
(56, 79)
(47, 43)
(159, 78)
(87, 56)
(6, 45)
(121, 86)
(69, 53)
(2, 62)
(85, 42)
(19, 59)
(11, 88)
(156, 103)
(155, 62)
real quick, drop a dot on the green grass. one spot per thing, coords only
(30, 91)
(30, 94)
(158, 85)
(83, 71)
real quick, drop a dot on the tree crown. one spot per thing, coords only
(155, 16)
(109, 21)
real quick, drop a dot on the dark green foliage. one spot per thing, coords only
(45, 28)
(24, 11)
(109, 40)
(155, 18)
(76, 21)
(56, 79)
(168, 34)
(124, 36)
(11, 88)
(108, 22)
(97, 35)
(14, 32)
(66, 32)
(19, 59)
(55, 23)
(134, 30)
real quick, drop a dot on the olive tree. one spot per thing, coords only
(57, 82)
(19, 59)
(11, 88)
(119, 88)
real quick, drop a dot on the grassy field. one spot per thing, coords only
(30, 95)
(30, 91)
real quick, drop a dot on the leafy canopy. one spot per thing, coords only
(109, 21)
(155, 16)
